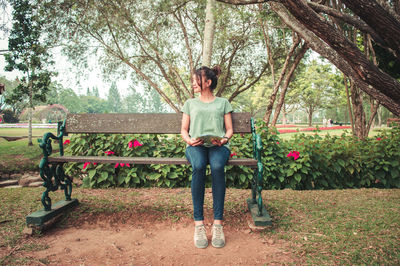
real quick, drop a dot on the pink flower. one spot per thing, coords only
(85, 165)
(128, 165)
(122, 164)
(378, 138)
(294, 154)
(94, 163)
(67, 141)
(277, 142)
(134, 144)
(233, 154)
(109, 152)
(116, 165)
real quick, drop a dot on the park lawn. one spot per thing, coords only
(331, 227)
(17, 155)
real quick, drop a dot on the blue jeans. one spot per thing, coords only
(199, 157)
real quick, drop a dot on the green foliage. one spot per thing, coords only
(114, 99)
(28, 54)
(323, 163)
(9, 116)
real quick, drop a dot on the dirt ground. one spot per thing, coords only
(148, 243)
(140, 237)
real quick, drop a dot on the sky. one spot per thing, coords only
(67, 77)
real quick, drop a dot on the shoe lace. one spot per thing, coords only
(200, 231)
(217, 232)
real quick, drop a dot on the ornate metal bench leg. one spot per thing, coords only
(257, 209)
(65, 182)
(254, 187)
(259, 189)
(47, 172)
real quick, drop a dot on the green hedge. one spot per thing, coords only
(332, 162)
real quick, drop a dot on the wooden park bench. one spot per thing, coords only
(52, 172)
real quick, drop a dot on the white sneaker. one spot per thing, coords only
(218, 237)
(200, 236)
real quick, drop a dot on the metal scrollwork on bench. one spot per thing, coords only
(53, 173)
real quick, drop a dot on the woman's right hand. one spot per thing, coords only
(195, 142)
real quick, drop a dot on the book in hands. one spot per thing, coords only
(208, 139)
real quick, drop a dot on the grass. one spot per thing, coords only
(343, 227)
(17, 155)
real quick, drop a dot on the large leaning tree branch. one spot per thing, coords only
(324, 50)
(377, 17)
(361, 25)
(364, 68)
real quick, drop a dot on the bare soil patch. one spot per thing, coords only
(144, 235)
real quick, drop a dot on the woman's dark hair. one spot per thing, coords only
(210, 74)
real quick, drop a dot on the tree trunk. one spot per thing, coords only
(300, 54)
(310, 113)
(286, 65)
(348, 103)
(379, 116)
(359, 114)
(30, 111)
(284, 119)
(209, 29)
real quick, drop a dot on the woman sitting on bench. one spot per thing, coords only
(207, 115)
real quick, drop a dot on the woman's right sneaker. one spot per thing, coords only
(200, 236)
(218, 237)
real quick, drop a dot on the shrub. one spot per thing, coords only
(9, 116)
(304, 162)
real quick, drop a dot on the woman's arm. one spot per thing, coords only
(185, 132)
(228, 128)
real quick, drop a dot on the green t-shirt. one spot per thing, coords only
(207, 118)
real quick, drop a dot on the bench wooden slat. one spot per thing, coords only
(140, 123)
(141, 160)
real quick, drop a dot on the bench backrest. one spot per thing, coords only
(140, 123)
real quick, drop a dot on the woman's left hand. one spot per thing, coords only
(220, 142)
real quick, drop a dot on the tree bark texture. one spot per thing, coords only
(209, 29)
(359, 114)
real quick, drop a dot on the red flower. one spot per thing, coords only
(85, 165)
(109, 152)
(233, 154)
(134, 143)
(116, 165)
(128, 165)
(294, 154)
(378, 138)
(67, 141)
(277, 142)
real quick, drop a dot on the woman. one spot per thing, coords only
(207, 115)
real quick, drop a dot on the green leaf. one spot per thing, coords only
(86, 182)
(92, 173)
(395, 173)
(121, 179)
(154, 176)
(297, 176)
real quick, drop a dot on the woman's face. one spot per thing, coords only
(195, 85)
